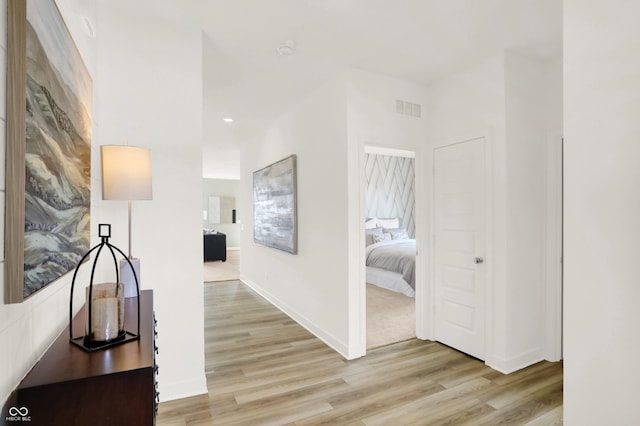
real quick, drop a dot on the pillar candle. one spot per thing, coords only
(107, 311)
(105, 318)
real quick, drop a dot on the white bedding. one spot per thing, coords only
(389, 280)
(394, 255)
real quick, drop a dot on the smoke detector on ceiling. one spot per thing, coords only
(287, 48)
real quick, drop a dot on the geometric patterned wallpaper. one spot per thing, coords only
(390, 190)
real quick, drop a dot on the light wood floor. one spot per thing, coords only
(223, 271)
(263, 368)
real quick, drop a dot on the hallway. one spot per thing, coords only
(263, 368)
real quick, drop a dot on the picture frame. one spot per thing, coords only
(275, 221)
(221, 210)
(48, 198)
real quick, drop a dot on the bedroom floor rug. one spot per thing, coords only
(391, 317)
(223, 271)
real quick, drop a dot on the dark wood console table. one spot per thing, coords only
(114, 386)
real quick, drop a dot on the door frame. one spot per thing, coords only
(554, 247)
(485, 134)
(369, 146)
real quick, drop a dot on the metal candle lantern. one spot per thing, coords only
(105, 304)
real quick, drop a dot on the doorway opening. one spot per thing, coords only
(390, 240)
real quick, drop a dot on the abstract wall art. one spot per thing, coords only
(49, 95)
(274, 206)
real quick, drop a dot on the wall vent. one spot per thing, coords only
(408, 108)
(400, 107)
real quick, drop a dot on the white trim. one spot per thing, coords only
(486, 135)
(357, 301)
(183, 389)
(508, 366)
(489, 264)
(553, 249)
(423, 288)
(485, 132)
(361, 301)
(392, 152)
(321, 334)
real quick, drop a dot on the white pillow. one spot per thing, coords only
(389, 223)
(370, 233)
(371, 223)
(399, 234)
(383, 237)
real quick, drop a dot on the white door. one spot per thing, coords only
(459, 192)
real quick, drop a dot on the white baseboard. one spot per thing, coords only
(233, 248)
(185, 389)
(321, 334)
(510, 365)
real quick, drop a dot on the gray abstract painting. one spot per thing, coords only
(274, 206)
(58, 149)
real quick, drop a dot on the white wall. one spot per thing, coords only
(372, 121)
(27, 329)
(553, 101)
(328, 132)
(602, 211)
(150, 94)
(311, 286)
(508, 99)
(222, 188)
(526, 155)
(467, 105)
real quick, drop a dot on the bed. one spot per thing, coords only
(390, 259)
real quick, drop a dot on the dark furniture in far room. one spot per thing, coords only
(215, 247)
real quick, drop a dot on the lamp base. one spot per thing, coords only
(127, 279)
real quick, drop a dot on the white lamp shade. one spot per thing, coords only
(126, 172)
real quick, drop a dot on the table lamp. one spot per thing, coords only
(126, 175)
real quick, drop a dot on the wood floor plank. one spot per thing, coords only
(288, 401)
(524, 391)
(432, 407)
(264, 369)
(326, 370)
(524, 410)
(549, 418)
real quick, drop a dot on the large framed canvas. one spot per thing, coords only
(49, 95)
(275, 222)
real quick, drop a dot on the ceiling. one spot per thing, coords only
(246, 79)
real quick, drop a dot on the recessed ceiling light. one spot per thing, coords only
(88, 27)
(287, 48)
(228, 120)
